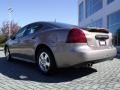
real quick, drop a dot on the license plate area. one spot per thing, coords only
(102, 43)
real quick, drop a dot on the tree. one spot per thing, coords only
(9, 26)
(3, 39)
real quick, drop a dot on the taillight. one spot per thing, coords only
(76, 36)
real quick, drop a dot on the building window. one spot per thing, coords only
(114, 26)
(97, 23)
(109, 1)
(81, 12)
(93, 6)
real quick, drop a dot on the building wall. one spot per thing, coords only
(108, 17)
(102, 13)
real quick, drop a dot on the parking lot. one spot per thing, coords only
(19, 75)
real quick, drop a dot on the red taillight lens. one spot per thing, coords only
(76, 36)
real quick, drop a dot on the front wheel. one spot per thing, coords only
(46, 61)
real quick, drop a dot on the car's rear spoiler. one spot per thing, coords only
(100, 30)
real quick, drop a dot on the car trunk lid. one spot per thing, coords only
(98, 38)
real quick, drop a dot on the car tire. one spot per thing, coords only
(46, 61)
(7, 54)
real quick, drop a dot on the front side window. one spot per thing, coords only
(93, 6)
(20, 32)
(114, 26)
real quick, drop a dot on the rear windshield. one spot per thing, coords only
(61, 25)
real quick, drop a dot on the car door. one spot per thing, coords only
(14, 44)
(28, 40)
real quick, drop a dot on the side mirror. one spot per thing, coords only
(12, 37)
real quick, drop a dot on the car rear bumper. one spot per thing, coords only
(80, 55)
(98, 54)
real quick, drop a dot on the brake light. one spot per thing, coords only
(76, 36)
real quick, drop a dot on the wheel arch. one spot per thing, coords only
(43, 46)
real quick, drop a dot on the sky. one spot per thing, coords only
(28, 11)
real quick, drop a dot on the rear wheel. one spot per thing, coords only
(7, 54)
(46, 61)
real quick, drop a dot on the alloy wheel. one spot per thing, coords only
(44, 61)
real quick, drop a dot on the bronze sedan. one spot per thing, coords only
(54, 45)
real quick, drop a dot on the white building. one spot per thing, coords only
(99, 13)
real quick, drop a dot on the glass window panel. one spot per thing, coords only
(97, 23)
(93, 6)
(114, 26)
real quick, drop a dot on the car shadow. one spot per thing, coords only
(19, 70)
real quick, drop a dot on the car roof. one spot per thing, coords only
(56, 24)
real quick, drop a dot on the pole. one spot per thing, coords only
(10, 19)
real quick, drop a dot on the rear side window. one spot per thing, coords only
(35, 27)
(47, 26)
(32, 29)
